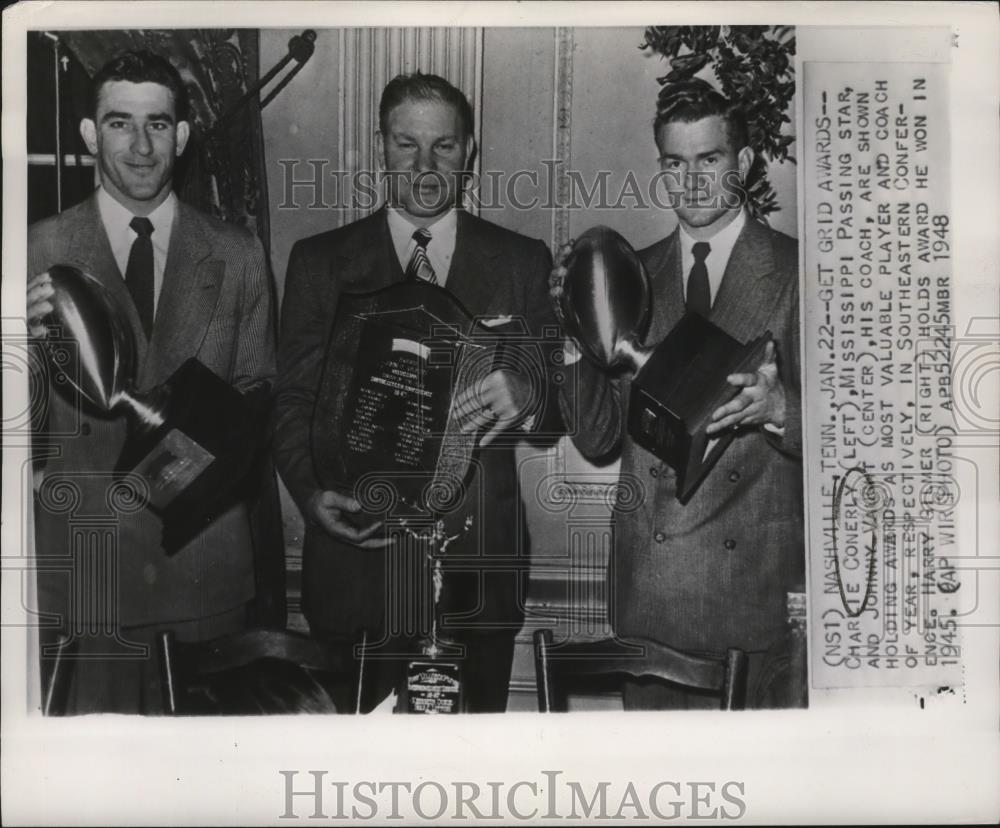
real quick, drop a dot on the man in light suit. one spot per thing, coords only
(190, 286)
(713, 573)
(425, 140)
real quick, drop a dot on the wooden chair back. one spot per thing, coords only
(557, 665)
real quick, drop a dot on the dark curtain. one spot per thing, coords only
(222, 173)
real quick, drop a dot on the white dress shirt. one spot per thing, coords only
(440, 248)
(116, 219)
(721, 244)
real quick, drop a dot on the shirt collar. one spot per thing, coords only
(117, 217)
(440, 249)
(444, 227)
(722, 243)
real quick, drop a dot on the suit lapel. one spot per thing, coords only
(373, 264)
(88, 248)
(746, 295)
(663, 264)
(472, 276)
(370, 263)
(188, 295)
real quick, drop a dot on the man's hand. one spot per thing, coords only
(761, 401)
(39, 291)
(558, 274)
(499, 399)
(328, 510)
(556, 279)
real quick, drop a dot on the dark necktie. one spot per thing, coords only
(139, 272)
(420, 266)
(699, 296)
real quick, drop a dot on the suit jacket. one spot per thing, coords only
(493, 272)
(713, 573)
(214, 304)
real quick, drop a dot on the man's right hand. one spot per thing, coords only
(558, 275)
(556, 278)
(39, 291)
(328, 509)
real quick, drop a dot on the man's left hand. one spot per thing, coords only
(495, 402)
(761, 402)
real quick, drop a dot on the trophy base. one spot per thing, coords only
(197, 464)
(432, 686)
(677, 390)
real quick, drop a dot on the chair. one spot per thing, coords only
(252, 672)
(556, 663)
(57, 673)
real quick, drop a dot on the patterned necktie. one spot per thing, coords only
(139, 272)
(420, 266)
(699, 296)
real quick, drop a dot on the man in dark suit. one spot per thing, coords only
(713, 573)
(190, 286)
(351, 584)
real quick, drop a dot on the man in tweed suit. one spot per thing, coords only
(713, 573)
(190, 286)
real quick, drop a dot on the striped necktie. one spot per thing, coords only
(420, 266)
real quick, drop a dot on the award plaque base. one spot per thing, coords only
(195, 464)
(675, 393)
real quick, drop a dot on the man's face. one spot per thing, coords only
(703, 172)
(424, 150)
(136, 139)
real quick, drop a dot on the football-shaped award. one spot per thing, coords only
(605, 308)
(192, 440)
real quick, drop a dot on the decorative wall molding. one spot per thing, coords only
(370, 58)
(562, 127)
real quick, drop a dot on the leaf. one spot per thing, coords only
(689, 64)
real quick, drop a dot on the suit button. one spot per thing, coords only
(734, 476)
(659, 537)
(730, 544)
(85, 429)
(654, 472)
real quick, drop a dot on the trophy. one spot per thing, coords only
(605, 308)
(192, 440)
(433, 678)
(387, 429)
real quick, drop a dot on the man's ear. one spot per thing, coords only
(183, 133)
(380, 149)
(745, 160)
(88, 131)
(470, 148)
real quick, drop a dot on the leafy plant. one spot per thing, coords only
(754, 65)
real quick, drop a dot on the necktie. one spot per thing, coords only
(139, 272)
(699, 296)
(420, 266)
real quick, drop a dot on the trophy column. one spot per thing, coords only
(433, 682)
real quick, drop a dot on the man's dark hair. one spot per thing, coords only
(421, 87)
(692, 100)
(141, 67)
